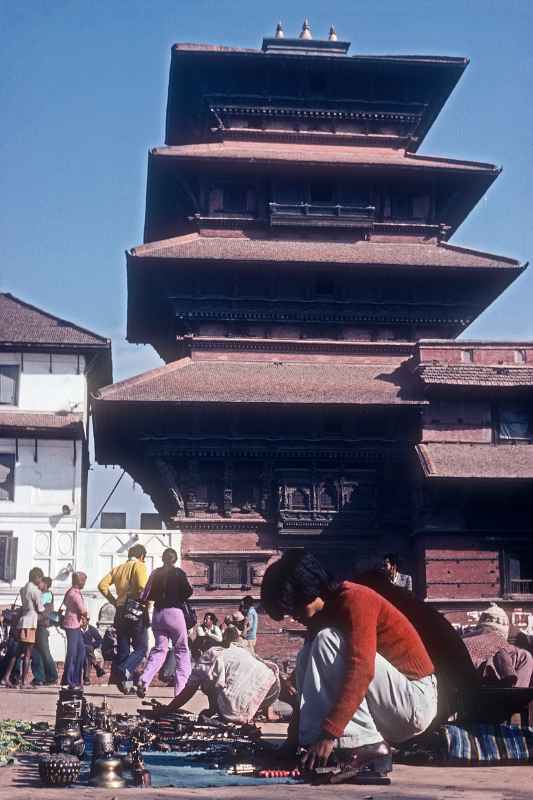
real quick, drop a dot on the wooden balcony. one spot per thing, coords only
(327, 215)
(519, 586)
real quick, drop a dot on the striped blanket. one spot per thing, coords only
(489, 743)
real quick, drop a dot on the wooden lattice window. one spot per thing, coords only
(229, 572)
(8, 556)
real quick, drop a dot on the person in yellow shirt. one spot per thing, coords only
(128, 580)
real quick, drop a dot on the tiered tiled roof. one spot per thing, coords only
(189, 381)
(21, 322)
(318, 154)
(483, 461)
(475, 375)
(239, 247)
(23, 423)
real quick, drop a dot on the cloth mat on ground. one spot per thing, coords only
(488, 744)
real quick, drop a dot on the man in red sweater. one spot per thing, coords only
(364, 677)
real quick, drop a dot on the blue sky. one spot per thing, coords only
(83, 91)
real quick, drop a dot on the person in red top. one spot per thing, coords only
(364, 676)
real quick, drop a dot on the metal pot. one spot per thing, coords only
(107, 773)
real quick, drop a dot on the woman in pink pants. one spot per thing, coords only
(167, 588)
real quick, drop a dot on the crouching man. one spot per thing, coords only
(364, 677)
(236, 682)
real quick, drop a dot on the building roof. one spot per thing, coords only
(277, 381)
(30, 424)
(22, 323)
(249, 248)
(475, 375)
(484, 461)
(200, 47)
(317, 154)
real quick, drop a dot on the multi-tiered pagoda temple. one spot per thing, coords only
(297, 277)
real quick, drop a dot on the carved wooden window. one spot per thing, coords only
(8, 556)
(327, 497)
(9, 380)
(229, 573)
(232, 198)
(7, 476)
(299, 498)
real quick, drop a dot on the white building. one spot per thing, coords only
(48, 369)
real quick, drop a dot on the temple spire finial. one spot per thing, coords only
(332, 34)
(280, 34)
(306, 30)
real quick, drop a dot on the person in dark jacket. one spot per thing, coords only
(168, 588)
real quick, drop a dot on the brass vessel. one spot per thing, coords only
(107, 773)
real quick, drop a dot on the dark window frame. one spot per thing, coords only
(216, 577)
(8, 486)
(8, 556)
(106, 514)
(528, 416)
(5, 369)
(512, 585)
(143, 517)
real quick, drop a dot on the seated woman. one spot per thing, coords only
(237, 683)
(364, 676)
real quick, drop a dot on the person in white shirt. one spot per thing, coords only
(209, 629)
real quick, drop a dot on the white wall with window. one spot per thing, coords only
(40, 476)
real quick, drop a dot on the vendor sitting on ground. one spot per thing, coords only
(364, 677)
(237, 683)
(497, 661)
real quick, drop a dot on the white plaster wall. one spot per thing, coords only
(46, 480)
(40, 389)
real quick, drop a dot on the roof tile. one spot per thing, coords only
(266, 382)
(22, 323)
(316, 154)
(249, 249)
(64, 425)
(474, 375)
(439, 460)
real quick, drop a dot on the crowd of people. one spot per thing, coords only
(139, 600)
(374, 670)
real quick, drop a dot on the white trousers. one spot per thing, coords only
(394, 708)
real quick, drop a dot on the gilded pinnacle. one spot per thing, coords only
(306, 30)
(279, 31)
(332, 34)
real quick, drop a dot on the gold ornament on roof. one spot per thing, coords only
(280, 34)
(332, 34)
(306, 30)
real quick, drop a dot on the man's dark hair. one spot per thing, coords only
(137, 551)
(295, 580)
(392, 558)
(169, 556)
(36, 574)
(47, 582)
(211, 616)
(248, 601)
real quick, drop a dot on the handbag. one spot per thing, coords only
(133, 611)
(189, 615)
(12, 615)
